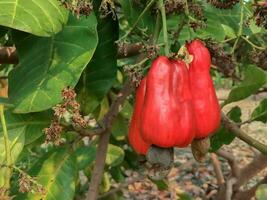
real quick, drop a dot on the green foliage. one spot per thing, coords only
(223, 136)
(249, 85)
(260, 112)
(57, 50)
(47, 65)
(57, 174)
(115, 155)
(42, 17)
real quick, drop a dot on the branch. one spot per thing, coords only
(8, 55)
(129, 50)
(248, 194)
(253, 168)
(104, 140)
(217, 168)
(233, 128)
(231, 161)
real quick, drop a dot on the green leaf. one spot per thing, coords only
(261, 192)
(101, 72)
(235, 114)
(105, 183)
(57, 174)
(260, 112)
(42, 17)
(16, 143)
(5, 101)
(85, 156)
(32, 124)
(127, 110)
(249, 85)
(229, 17)
(223, 136)
(132, 10)
(115, 155)
(161, 184)
(119, 128)
(117, 174)
(47, 65)
(213, 29)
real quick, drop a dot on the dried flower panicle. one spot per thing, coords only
(260, 13)
(4, 194)
(174, 6)
(223, 4)
(68, 112)
(78, 7)
(53, 133)
(29, 184)
(220, 58)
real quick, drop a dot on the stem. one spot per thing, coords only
(157, 29)
(232, 127)
(240, 25)
(7, 147)
(101, 153)
(138, 19)
(252, 44)
(164, 27)
(188, 17)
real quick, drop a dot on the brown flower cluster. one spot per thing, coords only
(78, 8)
(223, 4)
(28, 184)
(220, 58)
(68, 112)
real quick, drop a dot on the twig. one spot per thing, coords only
(217, 169)
(233, 128)
(229, 188)
(129, 50)
(164, 27)
(138, 19)
(120, 187)
(231, 161)
(240, 30)
(250, 170)
(252, 44)
(8, 55)
(104, 140)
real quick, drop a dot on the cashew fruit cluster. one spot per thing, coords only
(175, 104)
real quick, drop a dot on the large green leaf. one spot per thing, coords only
(100, 73)
(249, 85)
(47, 65)
(260, 112)
(57, 174)
(213, 29)
(42, 17)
